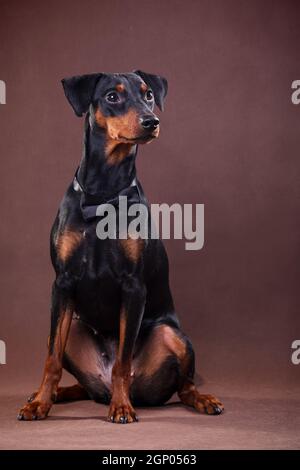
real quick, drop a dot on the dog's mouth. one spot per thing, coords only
(142, 139)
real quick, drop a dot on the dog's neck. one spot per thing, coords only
(106, 166)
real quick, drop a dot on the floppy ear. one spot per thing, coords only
(158, 85)
(79, 91)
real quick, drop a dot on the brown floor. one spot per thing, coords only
(271, 421)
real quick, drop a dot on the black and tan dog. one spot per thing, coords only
(113, 324)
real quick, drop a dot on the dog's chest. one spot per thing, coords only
(92, 259)
(97, 292)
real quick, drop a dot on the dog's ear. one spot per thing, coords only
(79, 91)
(158, 85)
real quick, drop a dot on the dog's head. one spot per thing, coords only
(121, 104)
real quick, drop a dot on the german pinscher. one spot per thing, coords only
(113, 323)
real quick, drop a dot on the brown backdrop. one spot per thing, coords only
(230, 139)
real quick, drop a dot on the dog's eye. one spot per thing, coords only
(112, 97)
(149, 95)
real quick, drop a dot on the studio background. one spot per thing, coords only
(229, 139)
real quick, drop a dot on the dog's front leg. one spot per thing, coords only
(133, 303)
(61, 317)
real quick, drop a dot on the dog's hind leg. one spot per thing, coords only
(187, 391)
(74, 392)
(165, 365)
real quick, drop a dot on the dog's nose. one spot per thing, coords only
(150, 122)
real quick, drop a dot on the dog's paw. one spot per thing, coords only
(208, 404)
(122, 414)
(33, 411)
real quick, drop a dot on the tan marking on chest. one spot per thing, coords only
(132, 248)
(67, 244)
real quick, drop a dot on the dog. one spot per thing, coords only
(113, 321)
